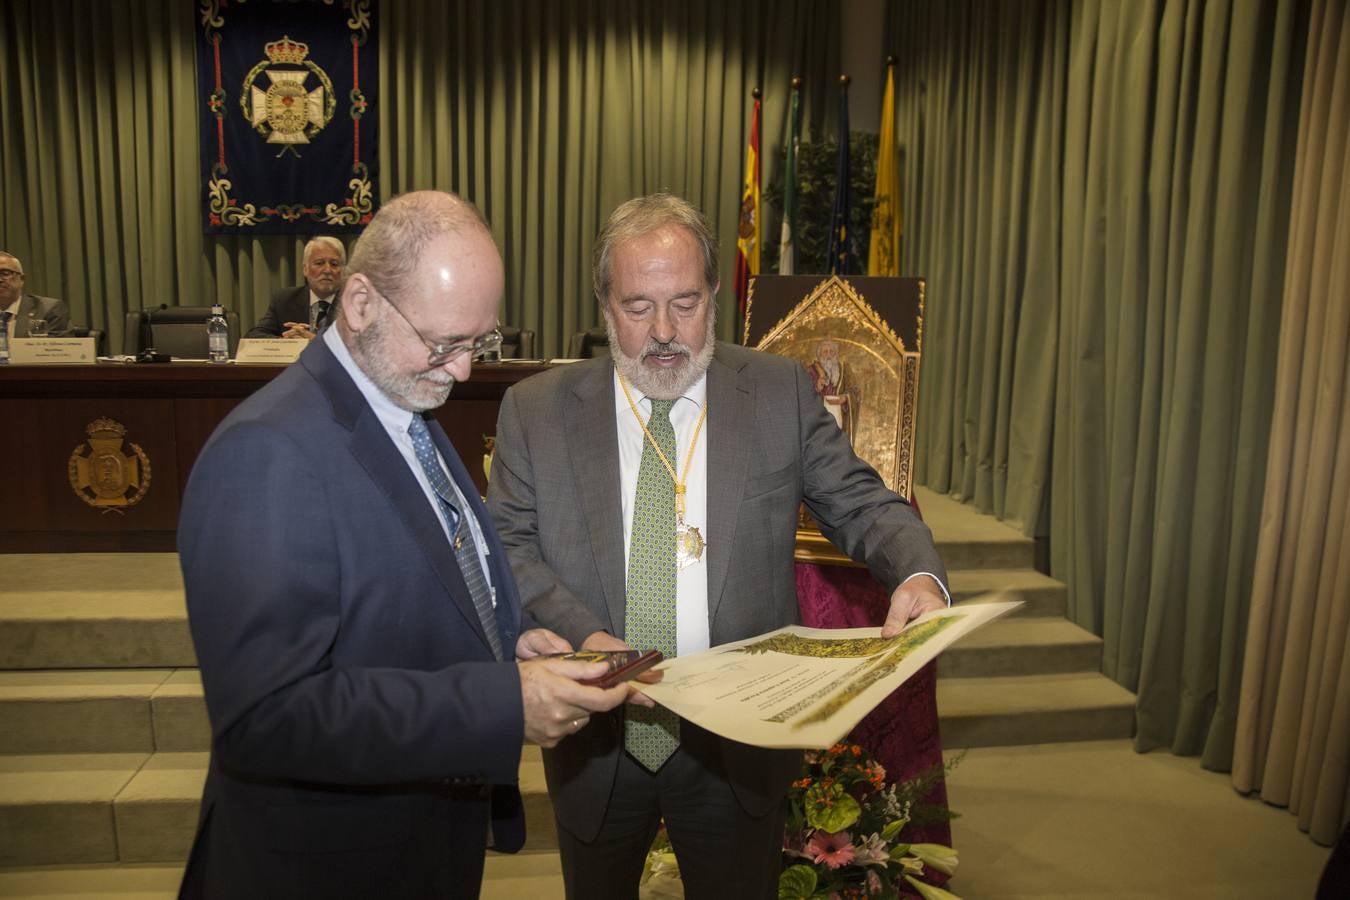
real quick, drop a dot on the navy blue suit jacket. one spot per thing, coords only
(359, 720)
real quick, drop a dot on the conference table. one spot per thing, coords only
(98, 455)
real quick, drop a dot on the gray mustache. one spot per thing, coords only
(656, 348)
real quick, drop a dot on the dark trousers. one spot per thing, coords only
(722, 851)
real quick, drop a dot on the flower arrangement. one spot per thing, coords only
(843, 821)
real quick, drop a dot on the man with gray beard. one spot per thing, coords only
(650, 499)
(368, 672)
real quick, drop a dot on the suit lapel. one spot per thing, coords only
(373, 449)
(730, 419)
(299, 310)
(27, 307)
(593, 449)
(508, 599)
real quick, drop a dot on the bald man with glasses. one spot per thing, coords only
(19, 310)
(368, 673)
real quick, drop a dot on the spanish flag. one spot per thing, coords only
(884, 256)
(747, 235)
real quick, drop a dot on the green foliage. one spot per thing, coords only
(796, 883)
(830, 808)
(816, 164)
(912, 791)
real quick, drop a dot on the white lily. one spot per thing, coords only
(928, 892)
(936, 856)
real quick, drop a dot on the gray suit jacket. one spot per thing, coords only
(54, 311)
(554, 496)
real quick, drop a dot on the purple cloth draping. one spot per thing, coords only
(902, 732)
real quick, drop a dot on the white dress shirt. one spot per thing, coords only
(691, 582)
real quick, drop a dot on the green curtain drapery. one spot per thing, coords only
(572, 108)
(545, 114)
(1098, 193)
(1293, 730)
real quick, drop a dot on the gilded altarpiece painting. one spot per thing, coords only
(861, 341)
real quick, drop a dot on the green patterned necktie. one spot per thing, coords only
(651, 735)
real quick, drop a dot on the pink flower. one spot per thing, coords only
(832, 849)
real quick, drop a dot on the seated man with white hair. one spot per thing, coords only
(301, 312)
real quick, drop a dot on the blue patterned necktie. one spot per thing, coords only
(651, 735)
(466, 551)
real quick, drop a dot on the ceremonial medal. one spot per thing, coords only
(689, 543)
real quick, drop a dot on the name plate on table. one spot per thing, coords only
(282, 351)
(44, 351)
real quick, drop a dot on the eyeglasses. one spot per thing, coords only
(9, 273)
(443, 353)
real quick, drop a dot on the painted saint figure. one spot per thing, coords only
(830, 379)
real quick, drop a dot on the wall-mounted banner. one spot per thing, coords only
(287, 91)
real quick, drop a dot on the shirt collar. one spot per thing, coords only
(696, 393)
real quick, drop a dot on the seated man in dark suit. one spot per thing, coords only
(300, 312)
(18, 309)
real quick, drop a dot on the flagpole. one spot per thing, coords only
(787, 250)
(839, 237)
(748, 224)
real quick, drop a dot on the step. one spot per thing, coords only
(967, 555)
(532, 874)
(968, 539)
(179, 710)
(536, 875)
(64, 809)
(92, 610)
(59, 808)
(1033, 709)
(126, 881)
(1040, 594)
(39, 632)
(1036, 645)
(102, 711)
(157, 811)
(78, 711)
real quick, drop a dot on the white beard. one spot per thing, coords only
(832, 370)
(661, 384)
(415, 392)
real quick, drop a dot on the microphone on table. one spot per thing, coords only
(147, 338)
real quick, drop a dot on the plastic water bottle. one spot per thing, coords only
(218, 336)
(4, 341)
